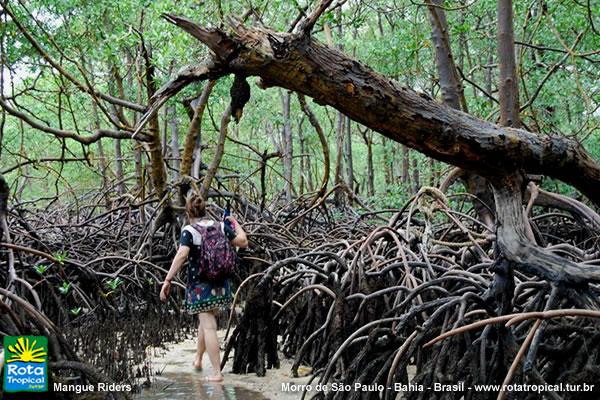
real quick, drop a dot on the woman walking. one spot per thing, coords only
(206, 290)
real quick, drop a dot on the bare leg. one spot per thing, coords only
(201, 346)
(209, 326)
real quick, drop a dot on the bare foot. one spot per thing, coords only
(197, 364)
(214, 378)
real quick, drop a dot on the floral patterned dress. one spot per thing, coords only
(200, 295)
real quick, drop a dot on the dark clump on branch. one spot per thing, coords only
(240, 94)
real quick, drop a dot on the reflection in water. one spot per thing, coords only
(191, 386)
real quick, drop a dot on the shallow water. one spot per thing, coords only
(190, 386)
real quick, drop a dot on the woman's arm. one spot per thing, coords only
(240, 240)
(180, 257)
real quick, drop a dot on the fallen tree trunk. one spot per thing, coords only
(299, 63)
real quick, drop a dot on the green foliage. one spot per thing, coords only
(65, 288)
(75, 311)
(61, 256)
(94, 39)
(113, 284)
(41, 268)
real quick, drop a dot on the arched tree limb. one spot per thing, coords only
(331, 78)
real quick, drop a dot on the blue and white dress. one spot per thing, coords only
(201, 295)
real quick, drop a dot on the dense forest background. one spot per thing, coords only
(54, 129)
(314, 121)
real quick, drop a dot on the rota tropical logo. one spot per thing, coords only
(26, 367)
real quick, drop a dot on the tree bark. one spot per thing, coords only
(387, 165)
(516, 246)
(102, 161)
(444, 61)
(453, 96)
(194, 132)
(158, 174)
(348, 151)
(288, 147)
(416, 180)
(304, 161)
(119, 168)
(368, 138)
(339, 160)
(118, 110)
(324, 146)
(405, 165)
(508, 87)
(218, 156)
(172, 113)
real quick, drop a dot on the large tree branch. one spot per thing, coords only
(331, 78)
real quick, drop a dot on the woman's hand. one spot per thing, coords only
(178, 261)
(240, 239)
(164, 291)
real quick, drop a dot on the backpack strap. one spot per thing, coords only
(199, 228)
(196, 235)
(202, 229)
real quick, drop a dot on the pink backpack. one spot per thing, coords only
(217, 257)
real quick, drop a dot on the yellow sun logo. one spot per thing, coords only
(26, 352)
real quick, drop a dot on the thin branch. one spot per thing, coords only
(307, 24)
(34, 161)
(97, 135)
(62, 71)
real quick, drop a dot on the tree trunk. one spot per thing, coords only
(165, 134)
(514, 244)
(324, 146)
(158, 174)
(416, 178)
(449, 80)
(368, 138)
(388, 165)
(193, 138)
(405, 166)
(348, 151)
(172, 112)
(118, 110)
(303, 160)
(139, 160)
(218, 156)
(102, 160)
(339, 195)
(453, 96)
(288, 148)
(433, 173)
(488, 72)
(508, 87)
(119, 167)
